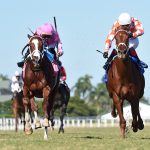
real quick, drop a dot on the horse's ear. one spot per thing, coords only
(29, 36)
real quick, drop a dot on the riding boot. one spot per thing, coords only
(110, 59)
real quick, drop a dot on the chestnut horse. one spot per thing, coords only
(125, 82)
(39, 81)
(60, 98)
(18, 109)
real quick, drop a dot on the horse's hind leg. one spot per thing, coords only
(63, 112)
(134, 108)
(119, 104)
(140, 121)
(51, 118)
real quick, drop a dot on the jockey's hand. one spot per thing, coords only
(130, 35)
(105, 54)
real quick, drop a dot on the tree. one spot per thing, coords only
(83, 87)
(78, 107)
(3, 77)
(100, 99)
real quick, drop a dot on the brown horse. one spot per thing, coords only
(125, 82)
(39, 80)
(61, 98)
(18, 109)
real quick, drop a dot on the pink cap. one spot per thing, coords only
(45, 29)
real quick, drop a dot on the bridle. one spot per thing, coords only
(119, 52)
(36, 55)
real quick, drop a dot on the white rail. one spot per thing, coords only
(9, 123)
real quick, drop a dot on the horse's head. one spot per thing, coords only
(36, 50)
(122, 41)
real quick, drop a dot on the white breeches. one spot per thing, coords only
(133, 43)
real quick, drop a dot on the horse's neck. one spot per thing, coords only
(122, 67)
(32, 75)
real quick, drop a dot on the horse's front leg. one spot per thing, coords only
(119, 106)
(51, 118)
(113, 112)
(34, 108)
(46, 93)
(28, 128)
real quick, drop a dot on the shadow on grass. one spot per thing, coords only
(145, 138)
(89, 137)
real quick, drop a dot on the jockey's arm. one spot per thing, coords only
(110, 38)
(60, 50)
(139, 30)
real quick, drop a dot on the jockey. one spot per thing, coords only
(135, 28)
(16, 84)
(51, 41)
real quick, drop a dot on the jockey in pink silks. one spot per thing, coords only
(51, 41)
(135, 28)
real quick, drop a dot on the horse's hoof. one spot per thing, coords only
(114, 115)
(141, 127)
(135, 129)
(46, 122)
(53, 123)
(37, 125)
(28, 131)
(61, 131)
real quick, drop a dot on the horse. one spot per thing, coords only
(60, 101)
(39, 81)
(18, 109)
(125, 82)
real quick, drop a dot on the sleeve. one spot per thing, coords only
(12, 87)
(59, 46)
(139, 30)
(110, 38)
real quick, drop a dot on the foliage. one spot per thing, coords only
(3, 77)
(78, 107)
(83, 87)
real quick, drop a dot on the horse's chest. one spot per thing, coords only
(39, 85)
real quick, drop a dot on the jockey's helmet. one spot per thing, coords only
(45, 30)
(17, 73)
(124, 19)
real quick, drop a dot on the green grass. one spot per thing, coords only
(76, 139)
